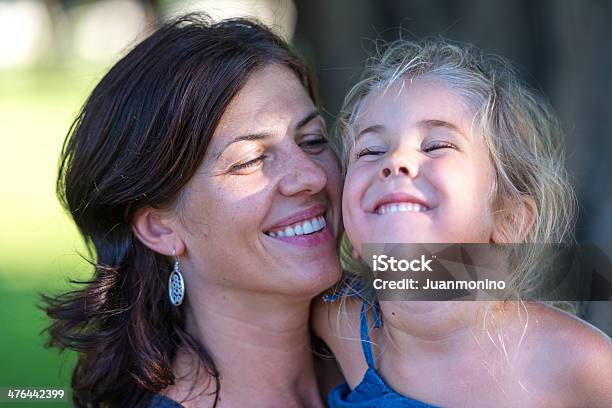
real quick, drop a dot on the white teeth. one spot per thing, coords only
(306, 227)
(400, 207)
(315, 224)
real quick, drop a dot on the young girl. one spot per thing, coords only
(442, 144)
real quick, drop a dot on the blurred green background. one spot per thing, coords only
(53, 52)
(38, 242)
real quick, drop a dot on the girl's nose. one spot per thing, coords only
(398, 165)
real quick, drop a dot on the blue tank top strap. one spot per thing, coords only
(366, 342)
(372, 391)
(350, 287)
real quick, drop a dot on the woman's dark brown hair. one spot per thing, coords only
(137, 141)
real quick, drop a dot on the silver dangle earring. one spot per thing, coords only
(176, 284)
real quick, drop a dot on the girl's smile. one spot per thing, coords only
(416, 172)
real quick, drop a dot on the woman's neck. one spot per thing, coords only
(260, 344)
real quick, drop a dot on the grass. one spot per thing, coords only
(38, 243)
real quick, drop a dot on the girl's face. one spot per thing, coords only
(262, 212)
(416, 173)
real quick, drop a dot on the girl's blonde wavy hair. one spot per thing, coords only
(522, 134)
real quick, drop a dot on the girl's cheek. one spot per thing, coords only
(356, 183)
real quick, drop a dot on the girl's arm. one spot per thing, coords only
(337, 324)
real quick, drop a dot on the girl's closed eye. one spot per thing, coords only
(438, 146)
(370, 151)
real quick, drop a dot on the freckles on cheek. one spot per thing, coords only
(196, 220)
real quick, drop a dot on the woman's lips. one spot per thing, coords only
(305, 228)
(297, 217)
(309, 240)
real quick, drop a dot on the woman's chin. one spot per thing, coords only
(312, 281)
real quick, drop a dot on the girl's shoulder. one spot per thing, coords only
(557, 329)
(574, 357)
(337, 323)
(336, 312)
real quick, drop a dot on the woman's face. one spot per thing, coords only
(262, 211)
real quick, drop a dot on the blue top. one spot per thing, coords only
(372, 391)
(161, 401)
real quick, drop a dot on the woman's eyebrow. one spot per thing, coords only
(249, 137)
(315, 113)
(263, 135)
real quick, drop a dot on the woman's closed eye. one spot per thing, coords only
(248, 164)
(314, 144)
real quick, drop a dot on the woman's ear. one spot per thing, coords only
(514, 222)
(157, 231)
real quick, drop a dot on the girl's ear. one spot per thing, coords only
(355, 255)
(157, 231)
(514, 222)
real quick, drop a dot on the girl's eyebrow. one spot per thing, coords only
(424, 124)
(432, 123)
(370, 129)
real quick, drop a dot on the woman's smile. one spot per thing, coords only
(306, 228)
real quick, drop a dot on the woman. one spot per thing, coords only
(199, 174)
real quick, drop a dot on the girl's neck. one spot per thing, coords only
(261, 346)
(425, 327)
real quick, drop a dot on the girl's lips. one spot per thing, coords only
(399, 198)
(400, 207)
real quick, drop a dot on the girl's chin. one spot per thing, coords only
(412, 237)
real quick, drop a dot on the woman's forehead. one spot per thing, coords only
(271, 101)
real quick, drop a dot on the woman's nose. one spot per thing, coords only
(398, 165)
(301, 174)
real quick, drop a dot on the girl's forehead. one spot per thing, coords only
(407, 101)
